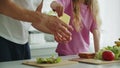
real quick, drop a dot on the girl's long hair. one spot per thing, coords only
(93, 5)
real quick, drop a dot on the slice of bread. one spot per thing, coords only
(86, 55)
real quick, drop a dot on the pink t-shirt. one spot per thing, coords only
(80, 40)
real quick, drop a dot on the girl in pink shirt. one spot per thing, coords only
(84, 19)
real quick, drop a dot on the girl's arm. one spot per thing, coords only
(57, 7)
(96, 37)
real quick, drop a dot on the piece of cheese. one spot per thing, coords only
(65, 18)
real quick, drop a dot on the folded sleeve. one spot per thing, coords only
(93, 25)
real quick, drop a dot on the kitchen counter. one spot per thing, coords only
(18, 64)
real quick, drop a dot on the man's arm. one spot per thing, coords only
(38, 19)
(43, 28)
(9, 8)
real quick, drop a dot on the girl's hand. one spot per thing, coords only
(57, 7)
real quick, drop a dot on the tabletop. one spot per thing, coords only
(18, 64)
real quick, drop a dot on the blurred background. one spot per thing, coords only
(44, 44)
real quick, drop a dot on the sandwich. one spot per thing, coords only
(86, 55)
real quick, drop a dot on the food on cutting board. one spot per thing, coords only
(86, 55)
(110, 52)
(49, 60)
(117, 43)
(114, 49)
(108, 55)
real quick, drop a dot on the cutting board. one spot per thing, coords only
(94, 61)
(63, 62)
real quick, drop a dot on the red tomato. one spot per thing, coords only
(108, 55)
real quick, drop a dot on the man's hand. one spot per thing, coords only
(54, 25)
(59, 28)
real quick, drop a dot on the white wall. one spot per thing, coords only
(110, 14)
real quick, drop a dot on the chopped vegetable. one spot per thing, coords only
(48, 60)
(115, 49)
(108, 55)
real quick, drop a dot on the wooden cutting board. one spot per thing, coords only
(63, 62)
(94, 61)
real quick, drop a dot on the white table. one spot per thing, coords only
(18, 64)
